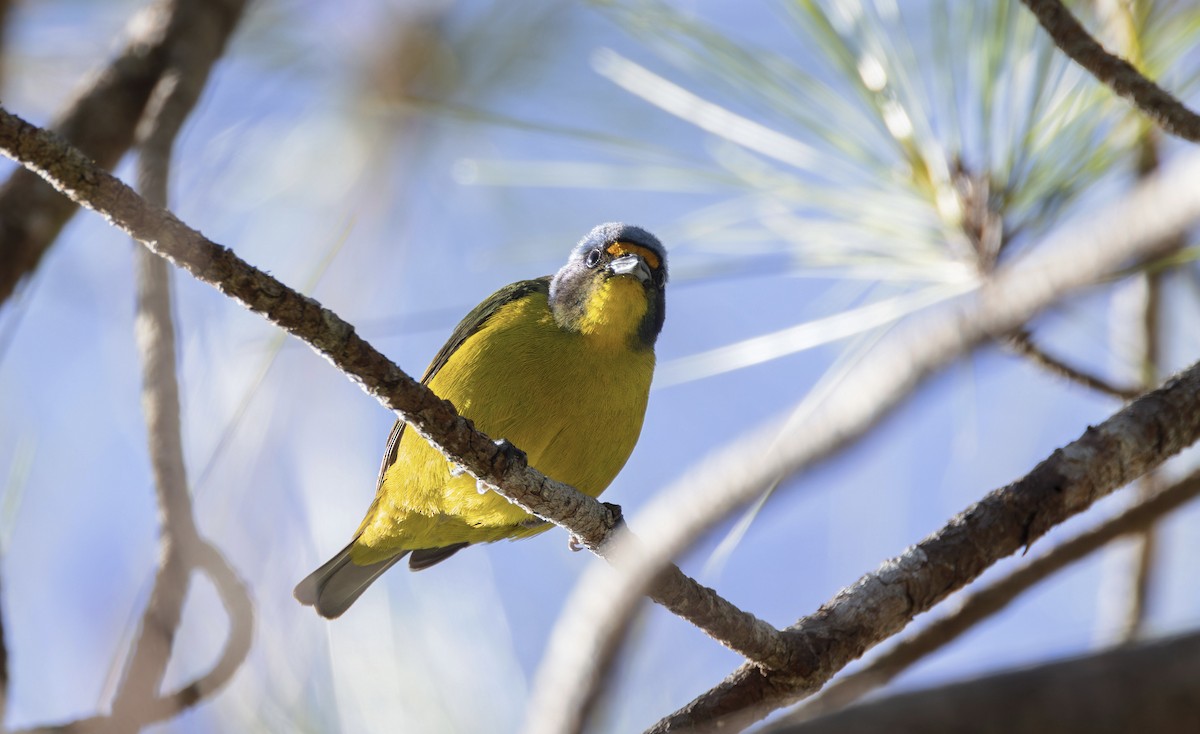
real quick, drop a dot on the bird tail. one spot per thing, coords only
(334, 586)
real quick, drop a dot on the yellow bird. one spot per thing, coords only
(560, 366)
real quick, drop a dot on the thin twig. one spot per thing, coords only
(497, 464)
(1169, 113)
(1149, 361)
(1021, 341)
(1145, 548)
(983, 603)
(1075, 256)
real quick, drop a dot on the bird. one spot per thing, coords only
(558, 366)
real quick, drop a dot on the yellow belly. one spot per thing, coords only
(574, 403)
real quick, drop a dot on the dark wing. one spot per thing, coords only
(470, 324)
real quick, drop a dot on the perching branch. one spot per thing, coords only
(983, 603)
(497, 464)
(1169, 113)
(1076, 256)
(101, 122)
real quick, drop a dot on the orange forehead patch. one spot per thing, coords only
(617, 249)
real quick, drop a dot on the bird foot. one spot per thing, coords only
(508, 457)
(618, 517)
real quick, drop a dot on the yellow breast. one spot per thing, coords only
(574, 402)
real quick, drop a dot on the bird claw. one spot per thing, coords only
(618, 516)
(509, 455)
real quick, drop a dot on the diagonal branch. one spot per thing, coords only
(1106, 457)
(984, 603)
(1075, 256)
(1021, 342)
(101, 121)
(1169, 113)
(497, 464)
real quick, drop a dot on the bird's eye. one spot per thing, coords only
(593, 259)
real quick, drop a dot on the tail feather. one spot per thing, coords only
(426, 557)
(334, 586)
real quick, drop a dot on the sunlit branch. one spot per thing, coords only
(981, 604)
(1074, 257)
(1106, 457)
(497, 464)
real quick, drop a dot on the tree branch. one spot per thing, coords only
(101, 122)
(983, 603)
(173, 99)
(1106, 457)
(236, 599)
(1149, 361)
(1021, 342)
(185, 68)
(1074, 257)
(155, 332)
(1121, 76)
(151, 650)
(497, 464)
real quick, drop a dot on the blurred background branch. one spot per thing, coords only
(101, 121)
(1022, 343)
(1138, 687)
(1167, 111)
(181, 43)
(180, 86)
